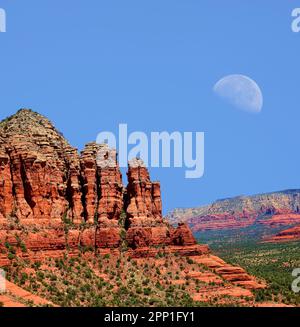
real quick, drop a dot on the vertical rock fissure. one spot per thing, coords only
(26, 185)
(68, 194)
(83, 195)
(98, 193)
(11, 175)
(125, 206)
(14, 200)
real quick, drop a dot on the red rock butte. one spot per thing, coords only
(54, 199)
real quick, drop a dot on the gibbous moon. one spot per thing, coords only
(240, 91)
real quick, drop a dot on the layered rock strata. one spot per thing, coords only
(53, 199)
(288, 235)
(270, 210)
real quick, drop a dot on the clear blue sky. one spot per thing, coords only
(90, 65)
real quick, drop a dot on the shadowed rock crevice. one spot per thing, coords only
(7, 191)
(83, 197)
(26, 185)
(97, 195)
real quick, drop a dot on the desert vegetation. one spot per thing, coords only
(110, 280)
(272, 262)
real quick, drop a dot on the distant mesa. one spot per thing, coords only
(269, 211)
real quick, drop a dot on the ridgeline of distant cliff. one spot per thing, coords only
(268, 210)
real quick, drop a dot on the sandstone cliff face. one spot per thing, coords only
(89, 181)
(102, 193)
(143, 196)
(110, 186)
(144, 213)
(41, 171)
(143, 208)
(183, 235)
(52, 198)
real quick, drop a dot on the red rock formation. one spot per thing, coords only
(6, 196)
(280, 220)
(146, 226)
(102, 184)
(89, 180)
(102, 193)
(269, 210)
(41, 184)
(108, 237)
(53, 202)
(287, 235)
(221, 221)
(183, 236)
(143, 219)
(143, 208)
(234, 274)
(110, 185)
(143, 196)
(48, 189)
